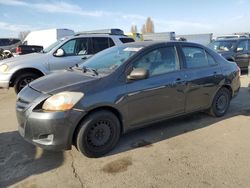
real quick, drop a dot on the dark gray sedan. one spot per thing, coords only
(121, 89)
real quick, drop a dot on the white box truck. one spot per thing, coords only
(46, 37)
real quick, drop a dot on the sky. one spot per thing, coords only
(180, 16)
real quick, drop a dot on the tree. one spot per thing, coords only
(133, 29)
(148, 27)
(143, 29)
(22, 35)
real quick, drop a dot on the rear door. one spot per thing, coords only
(162, 94)
(203, 76)
(242, 56)
(75, 50)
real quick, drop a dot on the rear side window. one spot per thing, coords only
(211, 60)
(101, 43)
(195, 57)
(126, 40)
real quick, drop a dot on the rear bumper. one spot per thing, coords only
(49, 130)
(5, 80)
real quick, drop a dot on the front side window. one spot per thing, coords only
(159, 61)
(195, 57)
(69, 47)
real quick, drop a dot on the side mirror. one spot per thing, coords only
(59, 52)
(138, 74)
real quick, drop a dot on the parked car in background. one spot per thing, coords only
(233, 36)
(9, 43)
(237, 50)
(17, 72)
(123, 88)
(27, 49)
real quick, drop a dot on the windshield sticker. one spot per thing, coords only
(132, 49)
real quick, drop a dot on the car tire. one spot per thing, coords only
(23, 80)
(98, 133)
(220, 103)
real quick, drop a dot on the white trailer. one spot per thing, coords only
(204, 39)
(46, 37)
(164, 36)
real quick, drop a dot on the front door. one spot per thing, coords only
(162, 93)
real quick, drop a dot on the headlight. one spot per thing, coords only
(4, 68)
(62, 101)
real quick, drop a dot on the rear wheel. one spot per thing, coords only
(24, 80)
(98, 134)
(220, 103)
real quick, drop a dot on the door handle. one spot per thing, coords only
(215, 74)
(180, 81)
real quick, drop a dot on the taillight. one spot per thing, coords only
(18, 50)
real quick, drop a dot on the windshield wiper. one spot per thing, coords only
(85, 69)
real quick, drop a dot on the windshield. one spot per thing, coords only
(225, 45)
(110, 59)
(53, 45)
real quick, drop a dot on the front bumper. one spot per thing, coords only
(5, 80)
(48, 130)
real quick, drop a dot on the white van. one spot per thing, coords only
(46, 37)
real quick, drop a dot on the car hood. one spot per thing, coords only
(28, 58)
(63, 81)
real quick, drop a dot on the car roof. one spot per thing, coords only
(97, 35)
(232, 39)
(151, 43)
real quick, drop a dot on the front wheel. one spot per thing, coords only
(24, 80)
(220, 103)
(98, 134)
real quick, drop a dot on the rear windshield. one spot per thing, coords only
(127, 40)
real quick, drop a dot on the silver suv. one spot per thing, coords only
(17, 72)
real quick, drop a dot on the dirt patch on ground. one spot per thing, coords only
(119, 165)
